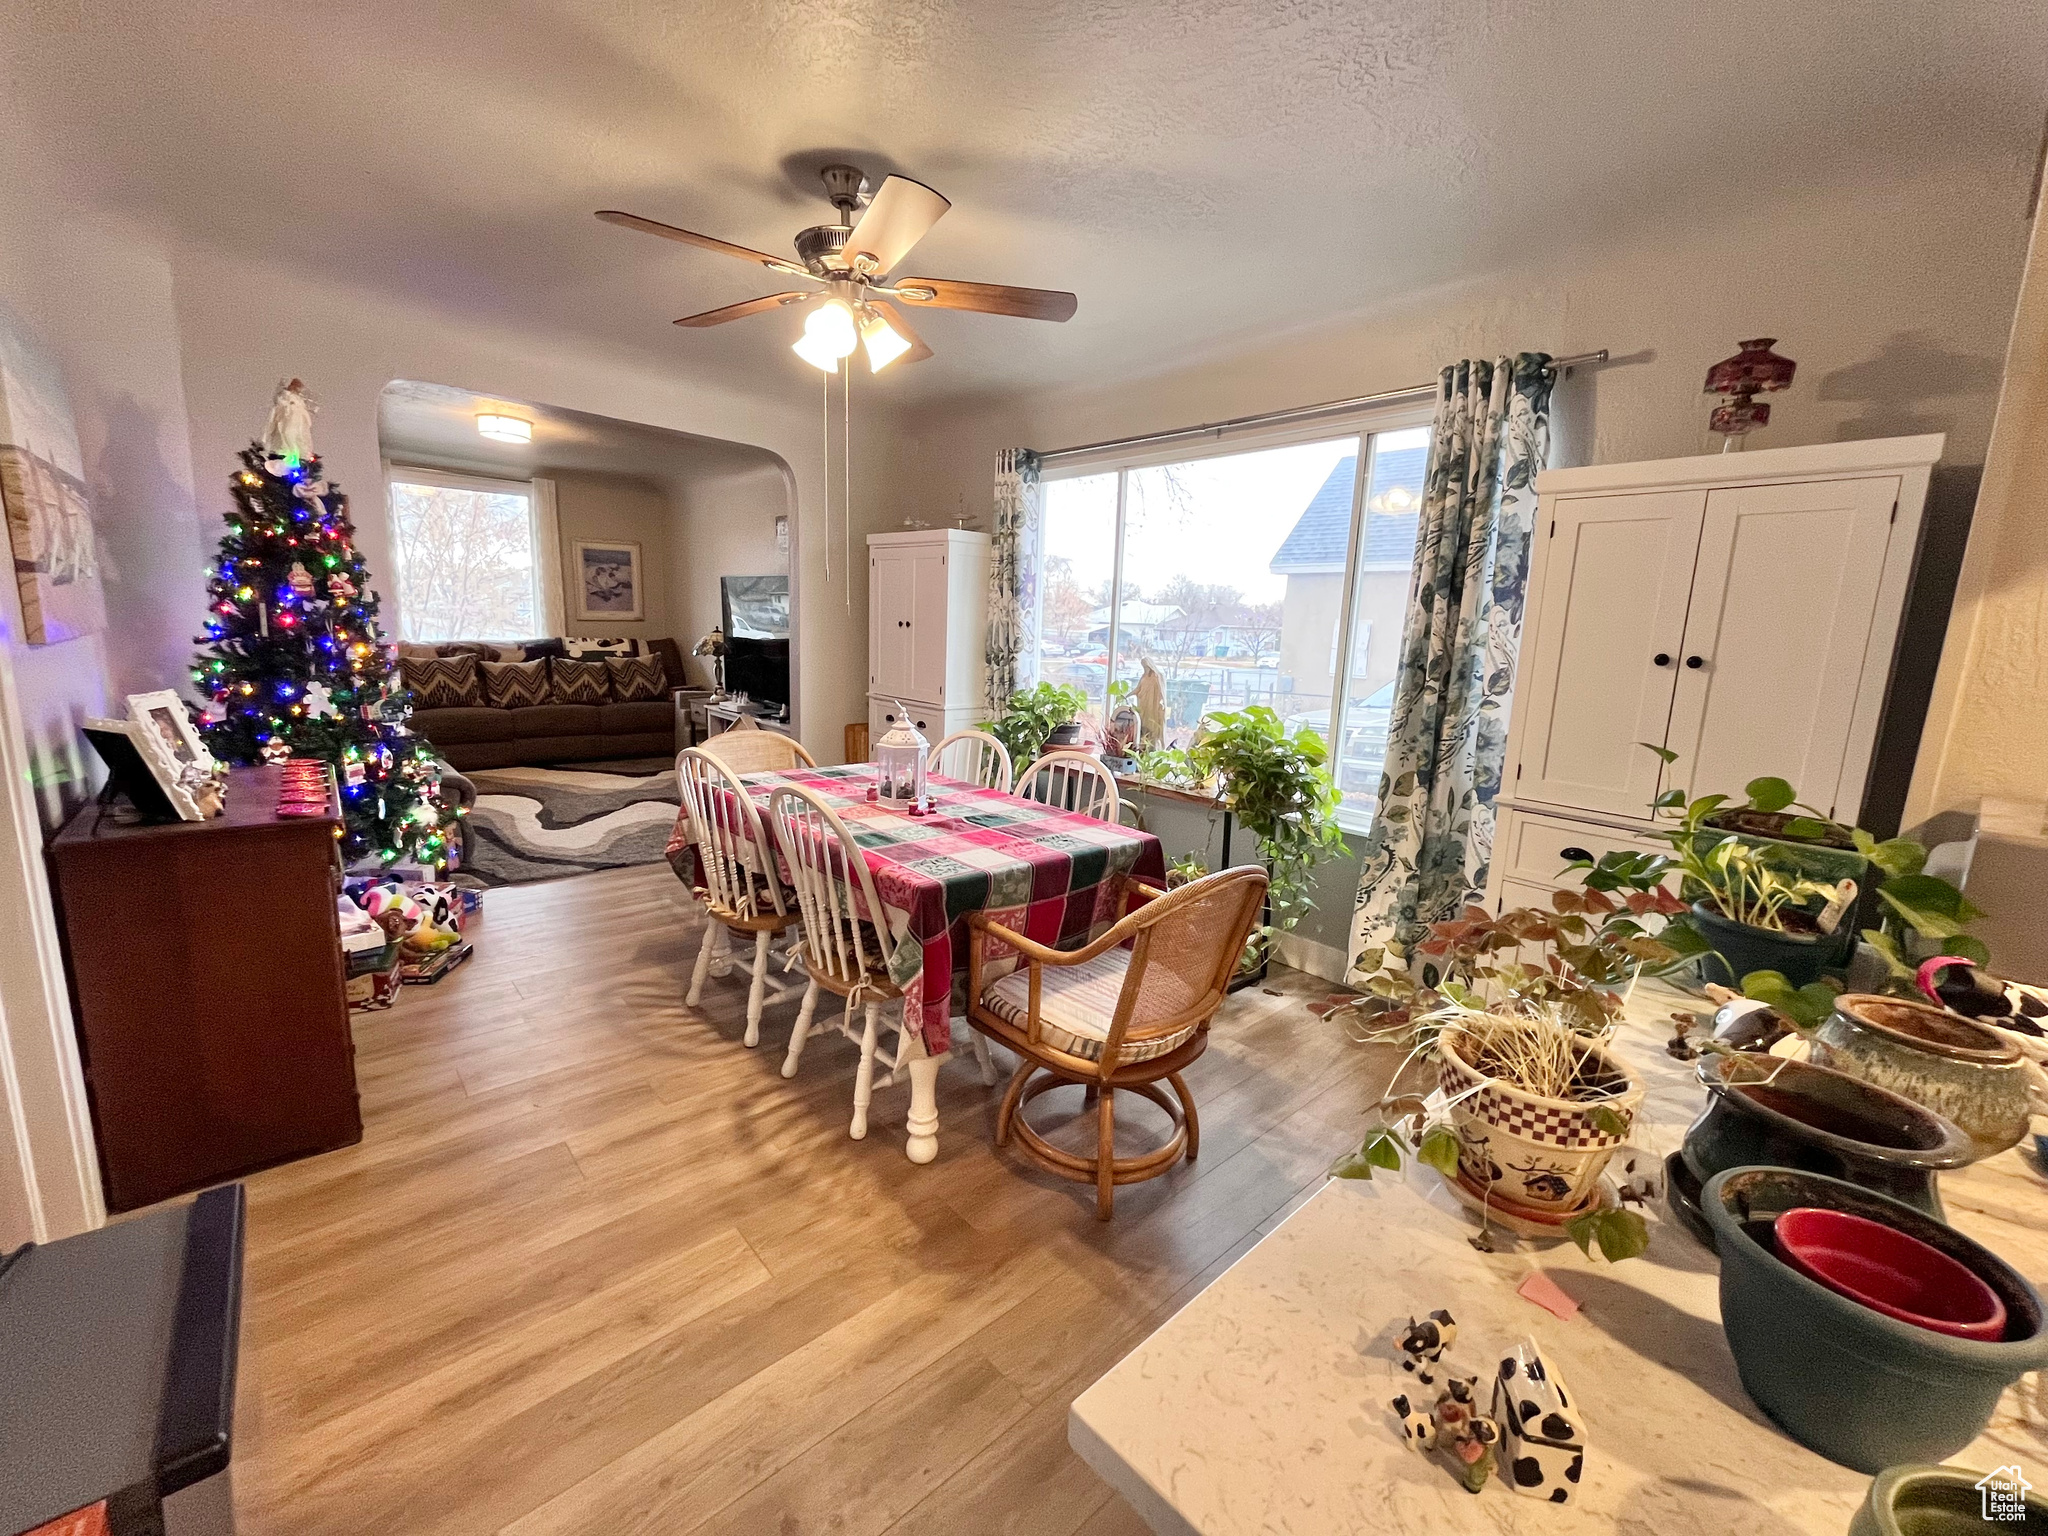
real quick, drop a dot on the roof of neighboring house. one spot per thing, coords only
(1136, 612)
(1317, 542)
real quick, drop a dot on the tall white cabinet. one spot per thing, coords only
(1741, 610)
(927, 600)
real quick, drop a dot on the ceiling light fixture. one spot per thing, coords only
(829, 335)
(884, 342)
(504, 429)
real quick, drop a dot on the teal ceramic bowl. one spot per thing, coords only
(1860, 1388)
(1938, 1501)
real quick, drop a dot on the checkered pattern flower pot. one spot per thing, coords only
(1545, 1155)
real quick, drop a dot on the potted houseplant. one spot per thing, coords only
(1037, 717)
(1275, 783)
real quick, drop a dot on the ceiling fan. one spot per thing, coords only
(852, 260)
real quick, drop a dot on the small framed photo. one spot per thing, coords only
(141, 765)
(607, 580)
(164, 714)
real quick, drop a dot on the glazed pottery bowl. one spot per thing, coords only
(1936, 1501)
(1544, 1156)
(1950, 1064)
(1885, 1269)
(1858, 1387)
(1740, 949)
(1791, 1114)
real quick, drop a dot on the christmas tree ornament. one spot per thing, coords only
(288, 435)
(300, 579)
(320, 702)
(341, 589)
(275, 749)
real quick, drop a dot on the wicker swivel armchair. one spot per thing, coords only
(1111, 1018)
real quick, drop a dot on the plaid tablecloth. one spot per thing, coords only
(1053, 876)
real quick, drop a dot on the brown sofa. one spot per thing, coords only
(470, 737)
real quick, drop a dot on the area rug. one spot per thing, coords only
(544, 823)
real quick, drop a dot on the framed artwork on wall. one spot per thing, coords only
(42, 488)
(606, 580)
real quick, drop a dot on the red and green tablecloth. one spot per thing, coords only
(1055, 877)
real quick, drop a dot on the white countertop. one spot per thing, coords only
(1262, 1406)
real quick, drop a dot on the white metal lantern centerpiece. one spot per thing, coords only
(900, 763)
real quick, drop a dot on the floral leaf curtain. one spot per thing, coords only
(1011, 646)
(1432, 837)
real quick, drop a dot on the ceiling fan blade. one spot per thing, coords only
(898, 217)
(704, 242)
(741, 311)
(986, 298)
(918, 350)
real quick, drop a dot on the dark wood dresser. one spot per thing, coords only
(206, 981)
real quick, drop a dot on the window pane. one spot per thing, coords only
(1233, 576)
(1078, 546)
(1386, 557)
(465, 563)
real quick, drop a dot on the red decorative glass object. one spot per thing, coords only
(1755, 370)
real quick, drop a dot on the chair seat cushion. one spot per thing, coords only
(1075, 1005)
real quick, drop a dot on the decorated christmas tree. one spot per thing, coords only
(294, 665)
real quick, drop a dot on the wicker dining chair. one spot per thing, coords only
(1110, 1018)
(1071, 781)
(973, 757)
(757, 751)
(740, 892)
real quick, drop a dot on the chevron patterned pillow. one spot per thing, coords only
(441, 682)
(515, 684)
(637, 677)
(579, 682)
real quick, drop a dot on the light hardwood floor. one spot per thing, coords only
(597, 1268)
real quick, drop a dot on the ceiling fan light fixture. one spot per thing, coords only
(884, 342)
(504, 429)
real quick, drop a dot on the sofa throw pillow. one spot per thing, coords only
(416, 650)
(515, 684)
(441, 682)
(579, 682)
(585, 647)
(637, 677)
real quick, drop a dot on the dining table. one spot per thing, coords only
(1054, 876)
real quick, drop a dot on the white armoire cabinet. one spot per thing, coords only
(927, 597)
(1741, 610)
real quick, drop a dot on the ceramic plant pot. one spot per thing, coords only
(1953, 1066)
(1860, 1388)
(1889, 1272)
(1935, 1501)
(1544, 1156)
(1792, 1114)
(1740, 949)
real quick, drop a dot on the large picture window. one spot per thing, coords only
(1260, 575)
(467, 556)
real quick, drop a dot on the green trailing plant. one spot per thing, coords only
(1186, 869)
(1542, 1055)
(1277, 785)
(1914, 909)
(1034, 714)
(1573, 961)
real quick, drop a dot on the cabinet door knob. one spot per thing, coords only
(1662, 658)
(1695, 662)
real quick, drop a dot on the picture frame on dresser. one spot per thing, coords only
(607, 580)
(164, 713)
(142, 766)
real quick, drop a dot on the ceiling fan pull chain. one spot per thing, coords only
(825, 416)
(846, 450)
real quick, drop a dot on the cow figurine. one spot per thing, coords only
(1464, 1434)
(1417, 1427)
(1423, 1345)
(1543, 1446)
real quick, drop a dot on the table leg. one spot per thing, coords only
(923, 1120)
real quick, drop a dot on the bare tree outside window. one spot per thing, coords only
(466, 566)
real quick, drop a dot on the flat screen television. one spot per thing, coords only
(758, 668)
(754, 607)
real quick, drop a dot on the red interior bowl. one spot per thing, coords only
(1889, 1272)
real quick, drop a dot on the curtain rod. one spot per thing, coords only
(1559, 365)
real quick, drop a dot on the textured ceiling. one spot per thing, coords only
(1198, 171)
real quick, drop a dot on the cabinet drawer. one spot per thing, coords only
(932, 722)
(1534, 850)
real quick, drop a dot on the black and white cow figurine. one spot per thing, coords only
(1423, 1345)
(1418, 1427)
(1543, 1445)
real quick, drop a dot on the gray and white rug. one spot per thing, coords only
(543, 823)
